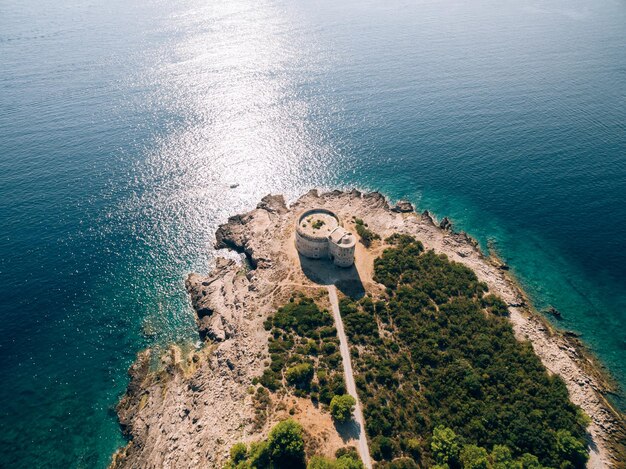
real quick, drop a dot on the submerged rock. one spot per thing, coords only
(554, 312)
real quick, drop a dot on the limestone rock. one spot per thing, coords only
(445, 224)
(427, 217)
(273, 204)
(403, 206)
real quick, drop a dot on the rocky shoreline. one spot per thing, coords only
(187, 409)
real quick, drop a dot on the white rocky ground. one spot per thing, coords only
(189, 410)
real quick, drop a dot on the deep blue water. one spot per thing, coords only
(122, 125)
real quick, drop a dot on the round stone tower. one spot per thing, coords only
(319, 235)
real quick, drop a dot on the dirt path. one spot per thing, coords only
(364, 451)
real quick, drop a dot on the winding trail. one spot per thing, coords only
(363, 449)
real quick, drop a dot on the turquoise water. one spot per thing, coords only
(123, 124)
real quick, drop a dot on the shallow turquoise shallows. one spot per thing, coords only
(123, 125)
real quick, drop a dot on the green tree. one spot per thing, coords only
(382, 448)
(238, 452)
(320, 462)
(571, 449)
(445, 445)
(300, 375)
(414, 448)
(348, 461)
(341, 407)
(501, 457)
(259, 456)
(529, 461)
(286, 445)
(349, 451)
(474, 457)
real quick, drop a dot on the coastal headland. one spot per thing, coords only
(188, 408)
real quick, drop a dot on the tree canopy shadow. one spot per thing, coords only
(350, 430)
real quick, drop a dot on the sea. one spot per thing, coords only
(129, 130)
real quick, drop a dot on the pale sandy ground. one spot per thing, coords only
(190, 412)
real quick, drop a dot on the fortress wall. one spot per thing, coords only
(342, 256)
(313, 248)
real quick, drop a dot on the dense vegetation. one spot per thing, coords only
(442, 379)
(285, 448)
(304, 352)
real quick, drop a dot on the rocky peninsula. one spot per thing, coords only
(187, 408)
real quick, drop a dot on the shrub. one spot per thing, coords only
(317, 224)
(329, 348)
(302, 316)
(382, 448)
(238, 453)
(259, 455)
(366, 235)
(341, 407)
(300, 375)
(349, 462)
(413, 447)
(344, 461)
(402, 240)
(349, 451)
(495, 305)
(320, 462)
(269, 379)
(303, 343)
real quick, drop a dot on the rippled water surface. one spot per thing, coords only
(124, 124)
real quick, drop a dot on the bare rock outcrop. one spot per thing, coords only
(445, 224)
(185, 409)
(403, 206)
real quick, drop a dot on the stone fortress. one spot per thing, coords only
(319, 235)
